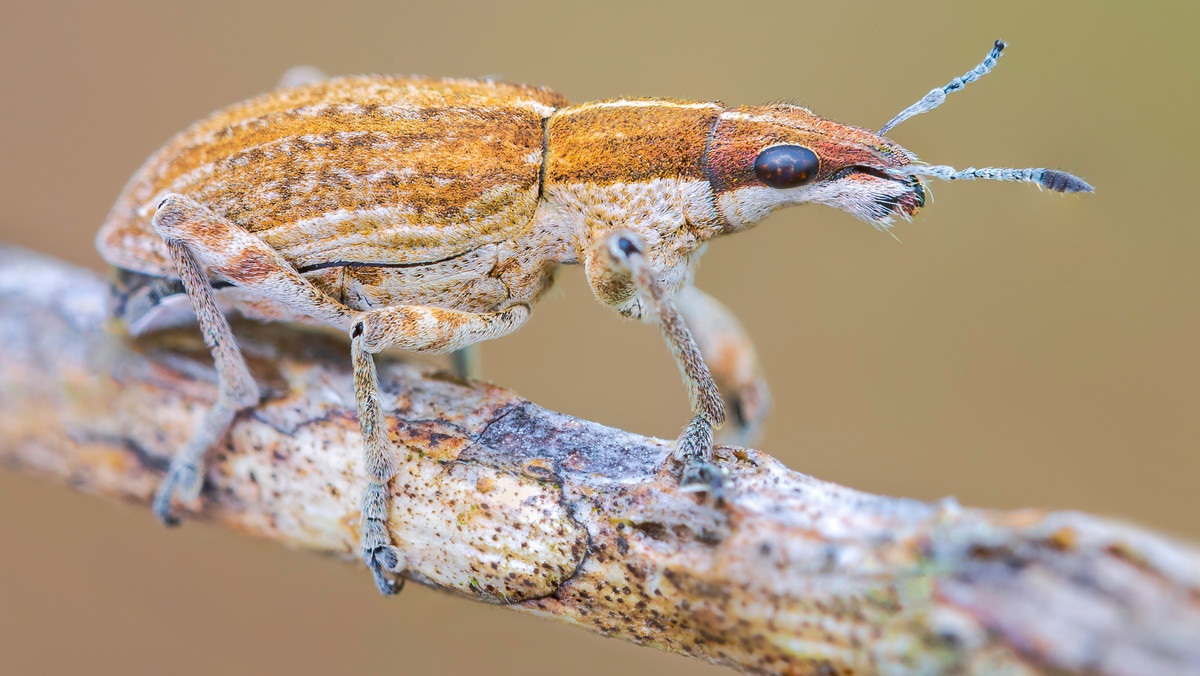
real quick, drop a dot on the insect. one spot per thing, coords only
(429, 215)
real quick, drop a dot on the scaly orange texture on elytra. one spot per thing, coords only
(362, 169)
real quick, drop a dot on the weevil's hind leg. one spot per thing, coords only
(236, 388)
(236, 255)
(734, 363)
(301, 76)
(421, 329)
(467, 362)
(229, 251)
(626, 263)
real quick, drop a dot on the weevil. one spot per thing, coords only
(432, 214)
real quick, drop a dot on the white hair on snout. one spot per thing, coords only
(869, 198)
(866, 197)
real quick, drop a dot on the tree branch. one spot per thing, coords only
(505, 502)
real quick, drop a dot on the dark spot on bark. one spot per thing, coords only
(652, 529)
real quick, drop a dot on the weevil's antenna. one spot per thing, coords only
(1058, 181)
(937, 96)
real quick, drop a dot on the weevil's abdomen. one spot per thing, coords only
(359, 170)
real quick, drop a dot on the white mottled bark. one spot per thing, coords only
(505, 502)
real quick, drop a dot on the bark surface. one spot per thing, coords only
(506, 502)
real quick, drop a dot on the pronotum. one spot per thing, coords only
(429, 215)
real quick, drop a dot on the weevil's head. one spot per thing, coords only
(762, 158)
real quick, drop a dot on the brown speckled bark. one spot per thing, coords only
(505, 502)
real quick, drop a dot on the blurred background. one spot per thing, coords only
(1018, 348)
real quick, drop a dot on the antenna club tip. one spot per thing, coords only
(1000, 46)
(1061, 181)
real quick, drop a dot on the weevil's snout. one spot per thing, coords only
(876, 195)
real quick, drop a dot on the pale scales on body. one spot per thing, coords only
(431, 214)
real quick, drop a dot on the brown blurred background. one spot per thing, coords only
(1020, 348)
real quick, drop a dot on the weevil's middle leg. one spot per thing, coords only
(236, 388)
(421, 329)
(379, 464)
(467, 362)
(694, 447)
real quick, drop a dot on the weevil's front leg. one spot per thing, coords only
(734, 363)
(236, 388)
(625, 254)
(422, 329)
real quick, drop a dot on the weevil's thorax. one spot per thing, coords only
(635, 164)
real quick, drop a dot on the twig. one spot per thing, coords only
(506, 502)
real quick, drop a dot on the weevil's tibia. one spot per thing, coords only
(937, 96)
(694, 447)
(1053, 179)
(236, 388)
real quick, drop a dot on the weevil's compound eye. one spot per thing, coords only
(786, 166)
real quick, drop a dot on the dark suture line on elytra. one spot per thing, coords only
(356, 264)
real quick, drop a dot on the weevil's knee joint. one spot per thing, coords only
(169, 200)
(623, 245)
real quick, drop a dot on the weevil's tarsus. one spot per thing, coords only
(185, 474)
(1053, 179)
(937, 96)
